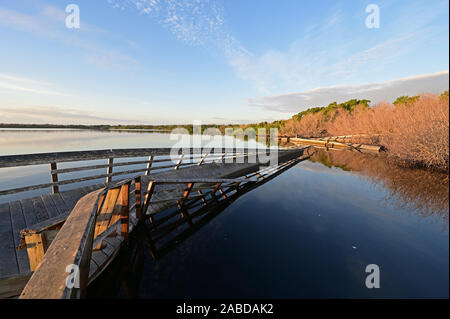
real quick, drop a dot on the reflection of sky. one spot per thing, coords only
(39, 141)
(308, 233)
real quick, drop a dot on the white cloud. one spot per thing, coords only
(376, 92)
(14, 83)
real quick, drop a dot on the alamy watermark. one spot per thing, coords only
(73, 16)
(259, 146)
(373, 19)
(373, 279)
(73, 279)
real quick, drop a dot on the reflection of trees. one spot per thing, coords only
(417, 189)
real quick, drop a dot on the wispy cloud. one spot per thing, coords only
(307, 62)
(14, 83)
(49, 23)
(376, 92)
(56, 115)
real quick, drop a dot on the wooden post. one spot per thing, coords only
(110, 170)
(216, 188)
(186, 193)
(202, 159)
(179, 162)
(55, 188)
(138, 194)
(149, 165)
(202, 197)
(125, 210)
(148, 196)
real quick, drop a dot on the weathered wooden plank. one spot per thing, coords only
(60, 205)
(106, 212)
(93, 267)
(12, 286)
(36, 249)
(8, 261)
(114, 242)
(28, 211)
(99, 257)
(18, 223)
(50, 206)
(39, 208)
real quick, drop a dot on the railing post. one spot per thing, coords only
(123, 201)
(138, 194)
(149, 165)
(55, 188)
(186, 193)
(179, 162)
(202, 159)
(110, 170)
(148, 196)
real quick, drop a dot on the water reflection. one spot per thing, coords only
(309, 233)
(421, 191)
(165, 232)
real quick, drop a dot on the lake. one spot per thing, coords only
(308, 233)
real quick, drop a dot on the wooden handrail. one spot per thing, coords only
(94, 217)
(110, 155)
(71, 246)
(74, 156)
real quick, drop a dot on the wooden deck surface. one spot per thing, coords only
(18, 215)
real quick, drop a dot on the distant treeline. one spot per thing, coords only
(166, 128)
(326, 113)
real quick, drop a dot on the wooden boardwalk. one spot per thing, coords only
(36, 212)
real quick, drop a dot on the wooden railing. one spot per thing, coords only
(157, 159)
(107, 211)
(95, 217)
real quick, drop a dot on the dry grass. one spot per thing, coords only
(413, 134)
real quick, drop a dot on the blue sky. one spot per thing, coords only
(151, 61)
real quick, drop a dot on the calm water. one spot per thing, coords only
(310, 232)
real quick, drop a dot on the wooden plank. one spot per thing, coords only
(18, 223)
(54, 176)
(137, 196)
(50, 206)
(36, 249)
(8, 261)
(12, 286)
(106, 212)
(68, 200)
(39, 208)
(93, 267)
(100, 258)
(28, 211)
(123, 203)
(59, 203)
